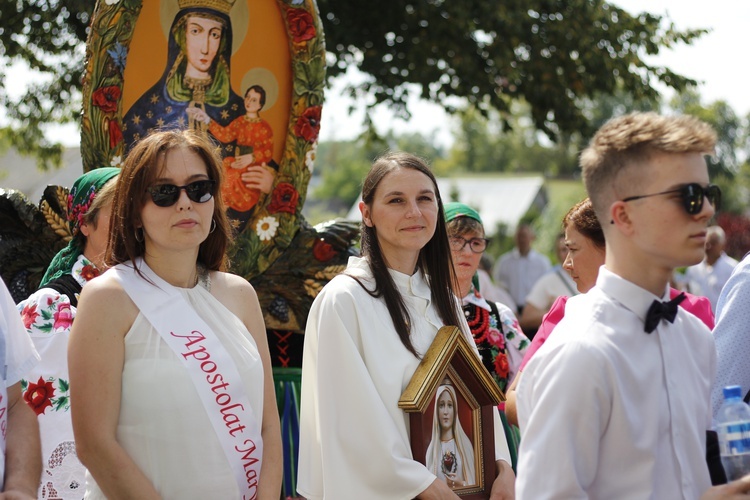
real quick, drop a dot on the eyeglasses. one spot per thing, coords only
(477, 245)
(692, 196)
(166, 195)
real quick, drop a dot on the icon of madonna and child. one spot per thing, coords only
(194, 91)
(450, 454)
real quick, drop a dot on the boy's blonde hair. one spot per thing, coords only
(630, 140)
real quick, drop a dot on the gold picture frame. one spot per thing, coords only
(452, 395)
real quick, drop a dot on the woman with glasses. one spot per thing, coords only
(170, 371)
(493, 325)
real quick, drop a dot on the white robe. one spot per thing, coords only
(354, 439)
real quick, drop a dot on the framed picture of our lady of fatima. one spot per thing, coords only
(450, 400)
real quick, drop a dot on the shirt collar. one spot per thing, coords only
(636, 299)
(416, 284)
(474, 297)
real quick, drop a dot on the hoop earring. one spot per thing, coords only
(139, 240)
(213, 226)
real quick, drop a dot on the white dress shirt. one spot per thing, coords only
(17, 358)
(518, 273)
(731, 334)
(354, 439)
(555, 283)
(707, 280)
(609, 411)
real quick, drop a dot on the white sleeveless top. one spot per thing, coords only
(163, 426)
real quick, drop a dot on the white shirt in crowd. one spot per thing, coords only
(17, 357)
(704, 279)
(518, 273)
(609, 411)
(555, 283)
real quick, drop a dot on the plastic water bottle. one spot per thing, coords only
(733, 428)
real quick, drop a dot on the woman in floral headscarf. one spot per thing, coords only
(48, 315)
(494, 326)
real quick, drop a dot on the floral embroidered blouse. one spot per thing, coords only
(48, 316)
(498, 336)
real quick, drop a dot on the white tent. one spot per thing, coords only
(499, 200)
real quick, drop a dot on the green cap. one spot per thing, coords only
(455, 209)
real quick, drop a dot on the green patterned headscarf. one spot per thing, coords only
(83, 192)
(454, 210)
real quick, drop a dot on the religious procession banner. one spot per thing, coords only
(249, 73)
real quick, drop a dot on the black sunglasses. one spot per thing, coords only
(692, 196)
(166, 195)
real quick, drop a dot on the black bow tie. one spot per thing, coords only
(662, 310)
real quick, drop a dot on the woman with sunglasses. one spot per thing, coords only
(366, 333)
(170, 371)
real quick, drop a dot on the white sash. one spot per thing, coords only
(210, 366)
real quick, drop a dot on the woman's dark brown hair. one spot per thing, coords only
(583, 219)
(434, 258)
(141, 168)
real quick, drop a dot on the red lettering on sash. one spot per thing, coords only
(196, 337)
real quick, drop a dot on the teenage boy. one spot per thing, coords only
(615, 404)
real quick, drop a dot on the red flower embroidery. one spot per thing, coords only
(89, 272)
(38, 395)
(283, 199)
(63, 316)
(105, 98)
(301, 25)
(29, 315)
(323, 251)
(308, 124)
(501, 365)
(115, 134)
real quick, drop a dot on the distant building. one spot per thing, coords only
(21, 173)
(499, 199)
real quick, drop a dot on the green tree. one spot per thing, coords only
(548, 53)
(46, 36)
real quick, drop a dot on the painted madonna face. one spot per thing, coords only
(202, 40)
(446, 411)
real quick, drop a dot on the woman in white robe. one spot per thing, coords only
(365, 335)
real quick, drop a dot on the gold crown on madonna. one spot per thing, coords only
(223, 6)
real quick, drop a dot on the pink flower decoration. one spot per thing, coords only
(63, 316)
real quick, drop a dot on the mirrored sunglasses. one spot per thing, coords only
(692, 196)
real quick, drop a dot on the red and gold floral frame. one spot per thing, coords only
(111, 68)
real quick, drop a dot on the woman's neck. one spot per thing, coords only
(180, 270)
(96, 259)
(464, 287)
(446, 435)
(403, 262)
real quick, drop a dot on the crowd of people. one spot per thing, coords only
(141, 369)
